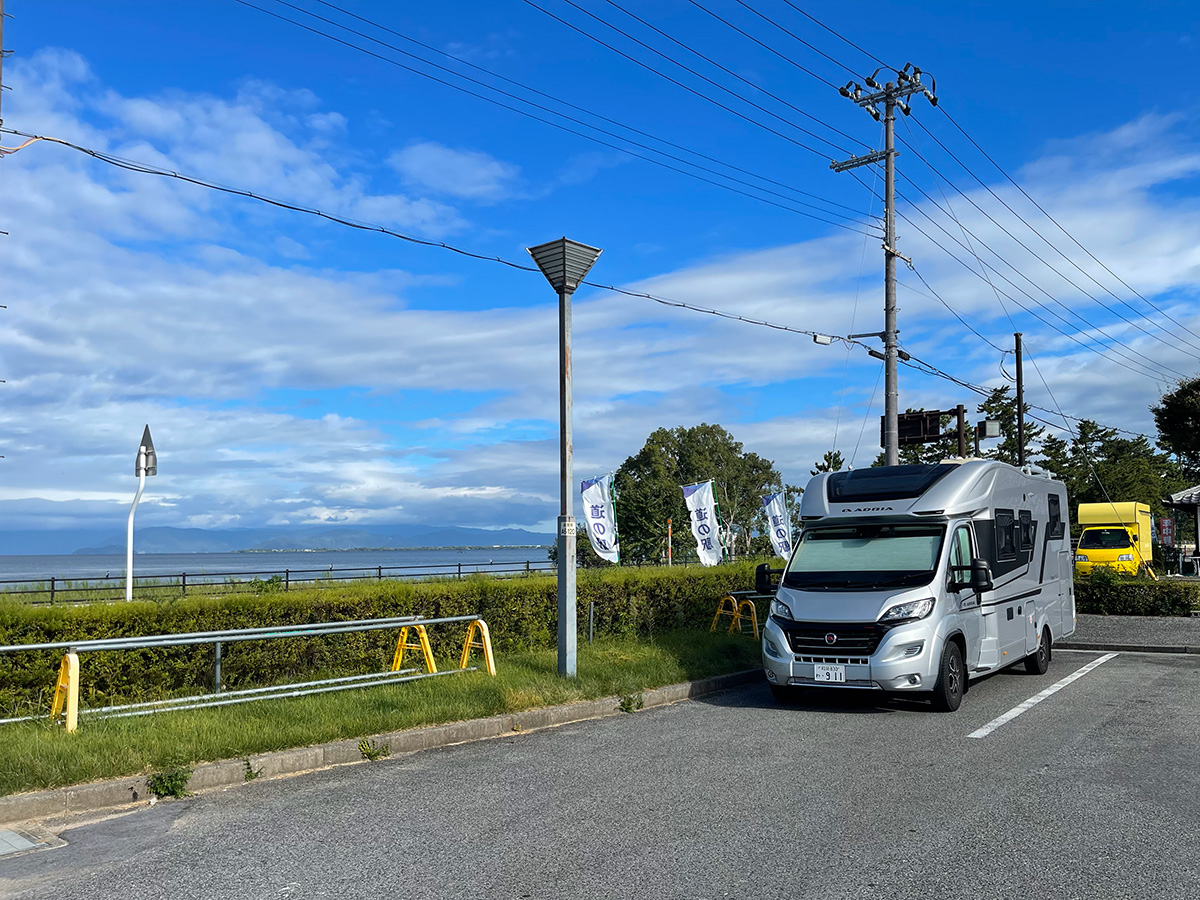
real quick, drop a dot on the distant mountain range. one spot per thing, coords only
(302, 537)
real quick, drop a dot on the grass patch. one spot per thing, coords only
(39, 755)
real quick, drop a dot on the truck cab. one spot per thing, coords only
(916, 579)
(1115, 535)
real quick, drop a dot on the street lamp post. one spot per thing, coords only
(145, 464)
(565, 264)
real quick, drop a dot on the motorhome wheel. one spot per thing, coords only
(948, 691)
(1038, 662)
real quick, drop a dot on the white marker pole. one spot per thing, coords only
(129, 528)
(145, 464)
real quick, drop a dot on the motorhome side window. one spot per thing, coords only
(1025, 531)
(1056, 521)
(960, 555)
(1006, 546)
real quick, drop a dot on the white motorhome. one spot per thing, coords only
(917, 579)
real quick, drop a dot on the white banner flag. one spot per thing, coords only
(778, 524)
(702, 511)
(600, 517)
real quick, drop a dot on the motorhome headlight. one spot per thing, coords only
(781, 609)
(1079, 557)
(910, 611)
(1125, 557)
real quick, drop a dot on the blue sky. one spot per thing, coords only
(293, 370)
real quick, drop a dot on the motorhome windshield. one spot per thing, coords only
(865, 557)
(1104, 539)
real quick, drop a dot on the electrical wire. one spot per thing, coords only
(732, 73)
(1038, 257)
(686, 87)
(553, 124)
(795, 37)
(839, 36)
(460, 60)
(1040, 209)
(147, 169)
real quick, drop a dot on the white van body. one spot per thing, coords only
(904, 572)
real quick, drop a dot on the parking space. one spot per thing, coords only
(1089, 793)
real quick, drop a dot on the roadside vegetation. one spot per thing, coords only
(40, 755)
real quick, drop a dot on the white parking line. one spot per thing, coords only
(1038, 698)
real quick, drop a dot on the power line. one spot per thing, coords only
(1035, 255)
(839, 36)
(686, 87)
(147, 169)
(732, 73)
(548, 96)
(1056, 224)
(558, 125)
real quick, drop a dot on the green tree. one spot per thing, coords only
(1099, 465)
(999, 405)
(832, 461)
(649, 482)
(1177, 417)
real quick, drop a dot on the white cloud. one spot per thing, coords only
(135, 300)
(468, 174)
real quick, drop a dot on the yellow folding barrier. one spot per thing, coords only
(66, 692)
(402, 644)
(737, 616)
(484, 643)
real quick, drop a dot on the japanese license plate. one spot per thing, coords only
(829, 674)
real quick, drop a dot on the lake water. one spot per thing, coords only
(301, 564)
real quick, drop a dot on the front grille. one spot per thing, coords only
(834, 660)
(852, 638)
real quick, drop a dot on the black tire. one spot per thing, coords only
(785, 694)
(1037, 662)
(951, 681)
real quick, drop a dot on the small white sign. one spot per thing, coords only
(567, 528)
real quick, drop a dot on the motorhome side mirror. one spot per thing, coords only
(762, 579)
(981, 576)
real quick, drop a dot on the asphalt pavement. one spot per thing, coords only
(1163, 634)
(1088, 793)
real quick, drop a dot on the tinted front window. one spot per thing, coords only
(1104, 539)
(865, 557)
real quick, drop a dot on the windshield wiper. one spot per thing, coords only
(920, 578)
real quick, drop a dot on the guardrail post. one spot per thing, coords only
(460, 571)
(379, 570)
(217, 668)
(66, 692)
(287, 579)
(51, 588)
(592, 622)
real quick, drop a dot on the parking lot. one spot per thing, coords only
(1092, 792)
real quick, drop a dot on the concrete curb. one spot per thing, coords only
(119, 793)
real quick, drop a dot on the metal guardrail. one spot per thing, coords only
(66, 691)
(61, 589)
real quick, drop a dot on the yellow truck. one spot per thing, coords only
(1117, 535)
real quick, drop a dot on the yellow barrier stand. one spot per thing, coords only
(66, 692)
(736, 615)
(753, 617)
(484, 643)
(721, 611)
(402, 644)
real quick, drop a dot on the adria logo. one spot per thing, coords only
(868, 509)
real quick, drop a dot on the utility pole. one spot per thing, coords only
(891, 95)
(1020, 405)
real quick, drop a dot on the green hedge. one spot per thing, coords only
(521, 614)
(1106, 593)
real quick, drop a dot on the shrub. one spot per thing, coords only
(1108, 593)
(521, 614)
